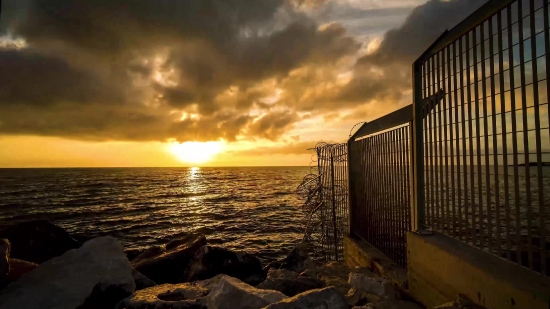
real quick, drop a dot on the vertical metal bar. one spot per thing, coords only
(402, 196)
(452, 92)
(498, 245)
(391, 193)
(418, 211)
(514, 136)
(542, 241)
(434, 184)
(486, 141)
(377, 193)
(504, 136)
(478, 144)
(457, 56)
(446, 94)
(385, 193)
(351, 190)
(471, 143)
(335, 229)
(438, 152)
(464, 86)
(525, 136)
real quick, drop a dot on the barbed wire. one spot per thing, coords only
(316, 190)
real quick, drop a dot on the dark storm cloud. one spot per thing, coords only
(385, 74)
(84, 74)
(273, 125)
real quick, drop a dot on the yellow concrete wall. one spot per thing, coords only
(440, 268)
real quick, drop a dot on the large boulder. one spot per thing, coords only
(168, 265)
(211, 261)
(373, 285)
(298, 260)
(231, 293)
(97, 275)
(327, 298)
(38, 241)
(289, 283)
(4, 258)
(183, 295)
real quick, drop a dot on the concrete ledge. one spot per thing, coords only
(359, 253)
(440, 268)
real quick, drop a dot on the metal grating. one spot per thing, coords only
(486, 145)
(380, 193)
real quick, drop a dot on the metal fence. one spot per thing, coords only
(326, 201)
(380, 194)
(481, 171)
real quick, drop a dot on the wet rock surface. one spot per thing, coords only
(298, 260)
(329, 298)
(38, 241)
(289, 283)
(231, 293)
(211, 261)
(97, 270)
(164, 265)
(184, 295)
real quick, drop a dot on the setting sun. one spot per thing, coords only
(195, 152)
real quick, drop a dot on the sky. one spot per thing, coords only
(120, 83)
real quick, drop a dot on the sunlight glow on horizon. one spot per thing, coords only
(195, 152)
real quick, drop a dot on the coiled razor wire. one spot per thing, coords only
(317, 192)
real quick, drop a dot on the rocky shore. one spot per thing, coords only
(42, 266)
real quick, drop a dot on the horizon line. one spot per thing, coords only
(90, 167)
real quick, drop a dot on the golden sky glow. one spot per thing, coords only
(150, 85)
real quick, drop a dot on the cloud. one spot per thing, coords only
(385, 74)
(126, 69)
(133, 69)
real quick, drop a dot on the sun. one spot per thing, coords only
(195, 152)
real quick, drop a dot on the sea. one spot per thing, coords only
(255, 209)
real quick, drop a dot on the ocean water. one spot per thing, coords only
(248, 208)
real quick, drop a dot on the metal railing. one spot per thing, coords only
(480, 155)
(326, 201)
(379, 184)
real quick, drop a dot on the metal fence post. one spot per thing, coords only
(335, 230)
(417, 153)
(350, 192)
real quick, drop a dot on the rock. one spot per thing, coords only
(281, 274)
(357, 297)
(98, 273)
(209, 284)
(231, 293)
(394, 304)
(183, 295)
(141, 281)
(18, 268)
(4, 258)
(38, 241)
(169, 266)
(373, 285)
(211, 261)
(297, 260)
(327, 298)
(131, 254)
(289, 283)
(337, 274)
(461, 302)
